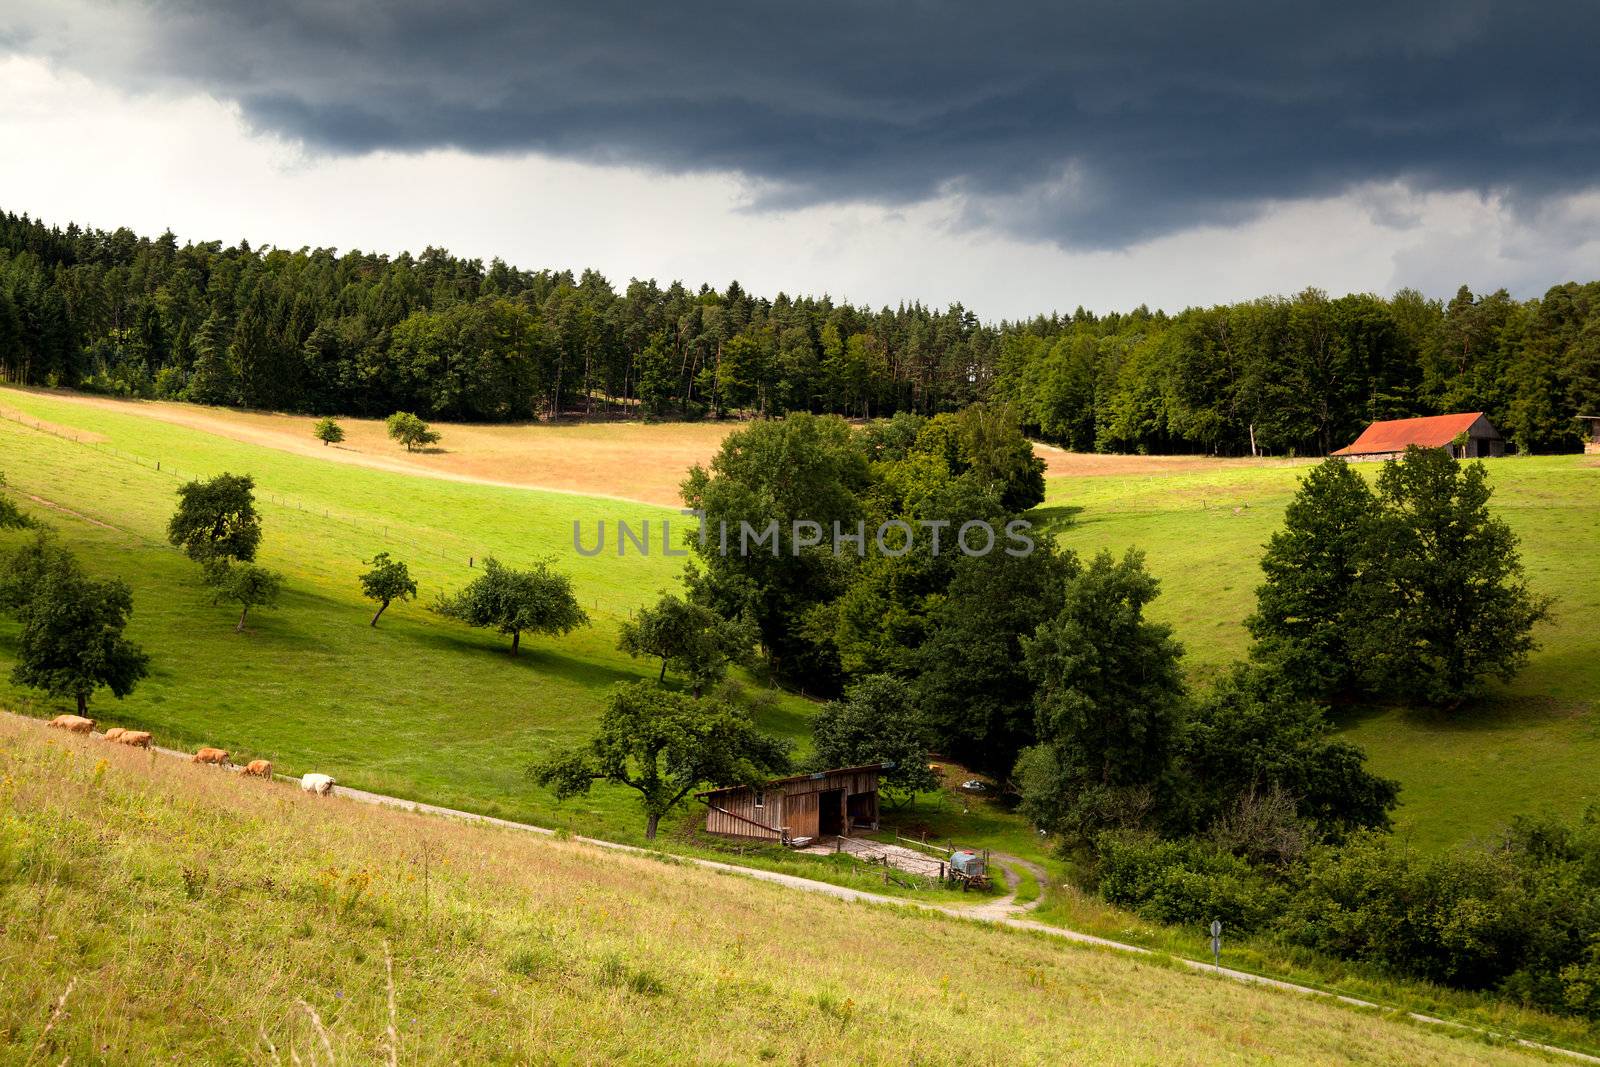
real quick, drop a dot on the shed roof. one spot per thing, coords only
(1394, 435)
(813, 776)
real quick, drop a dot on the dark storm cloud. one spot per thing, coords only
(1093, 125)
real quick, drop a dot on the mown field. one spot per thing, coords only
(156, 911)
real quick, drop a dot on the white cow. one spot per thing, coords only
(319, 784)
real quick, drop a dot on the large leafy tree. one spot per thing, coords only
(987, 440)
(762, 480)
(216, 520)
(877, 722)
(689, 638)
(664, 745)
(71, 641)
(970, 675)
(1305, 610)
(1443, 601)
(538, 600)
(1109, 703)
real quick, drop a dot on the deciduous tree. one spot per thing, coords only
(216, 519)
(1443, 600)
(387, 581)
(537, 600)
(71, 641)
(1109, 704)
(1305, 610)
(690, 638)
(410, 431)
(328, 431)
(247, 585)
(665, 745)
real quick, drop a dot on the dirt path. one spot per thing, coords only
(839, 892)
(1007, 906)
(68, 511)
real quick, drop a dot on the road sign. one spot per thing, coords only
(1216, 942)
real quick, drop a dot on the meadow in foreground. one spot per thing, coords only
(190, 914)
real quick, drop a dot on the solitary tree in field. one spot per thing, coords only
(877, 722)
(387, 581)
(410, 431)
(328, 432)
(216, 520)
(1442, 599)
(71, 642)
(249, 586)
(688, 637)
(664, 745)
(11, 516)
(537, 600)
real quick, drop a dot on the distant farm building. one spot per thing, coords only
(824, 804)
(1466, 436)
(1591, 433)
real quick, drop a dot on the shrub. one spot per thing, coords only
(1185, 882)
(1460, 918)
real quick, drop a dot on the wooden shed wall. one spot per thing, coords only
(739, 807)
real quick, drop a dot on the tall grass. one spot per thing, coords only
(197, 916)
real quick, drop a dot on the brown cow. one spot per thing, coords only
(136, 738)
(75, 723)
(261, 768)
(219, 756)
(115, 733)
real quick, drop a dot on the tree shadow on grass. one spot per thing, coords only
(1492, 713)
(1056, 517)
(531, 657)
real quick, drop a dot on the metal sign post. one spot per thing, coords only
(1216, 942)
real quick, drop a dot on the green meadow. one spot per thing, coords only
(418, 707)
(1532, 745)
(424, 708)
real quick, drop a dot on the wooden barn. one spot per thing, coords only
(823, 804)
(1591, 433)
(1469, 435)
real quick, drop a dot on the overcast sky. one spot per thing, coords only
(1019, 158)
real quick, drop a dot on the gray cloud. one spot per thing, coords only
(1093, 125)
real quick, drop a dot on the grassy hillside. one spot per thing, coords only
(418, 707)
(394, 709)
(1531, 745)
(154, 911)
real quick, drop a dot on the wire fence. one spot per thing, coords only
(464, 555)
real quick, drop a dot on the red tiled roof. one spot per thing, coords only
(1393, 435)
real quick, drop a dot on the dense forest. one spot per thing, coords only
(365, 334)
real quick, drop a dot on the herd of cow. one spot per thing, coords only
(321, 784)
